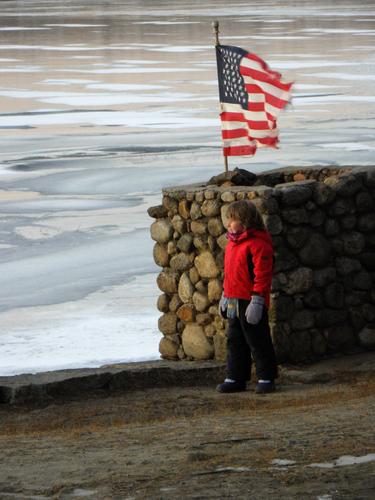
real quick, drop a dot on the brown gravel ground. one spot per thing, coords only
(192, 442)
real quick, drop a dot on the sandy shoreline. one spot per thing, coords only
(308, 441)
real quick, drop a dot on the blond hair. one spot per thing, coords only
(246, 212)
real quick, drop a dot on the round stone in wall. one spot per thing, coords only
(168, 323)
(174, 303)
(324, 276)
(185, 288)
(183, 209)
(340, 336)
(195, 211)
(353, 242)
(163, 303)
(294, 194)
(273, 224)
(157, 212)
(186, 313)
(347, 185)
(224, 218)
(171, 247)
(295, 215)
(179, 224)
(198, 227)
(346, 265)
(161, 256)
(366, 223)
(168, 348)
(215, 226)
(200, 242)
(200, 300)
(185, 243)
(211, 208)
(367, 336)
(316, 251)
(362, 281)
(323, 194)
(220, 344)
(181, 262)
(170, 204)
(297, 236)
(228, 197)
(161, 230)
(298, 281)
(215, 289)
(167, 281)
(302, 320)
(195, 343)
(334, 295)
(201, 286)
(206, 265)
(194, 275)
(222, 241)
(364, 202)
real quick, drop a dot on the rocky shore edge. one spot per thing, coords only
(45, 388)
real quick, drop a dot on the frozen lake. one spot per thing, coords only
(103, 106)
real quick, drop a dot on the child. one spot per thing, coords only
(248, 268)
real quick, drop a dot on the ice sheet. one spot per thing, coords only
(158, 119)
(91, 332)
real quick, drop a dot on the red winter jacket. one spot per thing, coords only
(248, 265)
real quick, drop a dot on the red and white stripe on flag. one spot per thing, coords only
(244, 130)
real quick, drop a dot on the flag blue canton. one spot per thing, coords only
(231, 82)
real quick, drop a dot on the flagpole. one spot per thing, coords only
(215, 26)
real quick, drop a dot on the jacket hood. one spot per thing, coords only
(251, 233)
(262, 234)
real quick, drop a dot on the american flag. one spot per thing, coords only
(251, 97)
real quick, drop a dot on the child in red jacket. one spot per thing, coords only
(248, 268)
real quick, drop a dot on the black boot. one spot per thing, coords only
(228, 387)
(265, 387)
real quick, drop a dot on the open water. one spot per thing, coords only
(104, 103)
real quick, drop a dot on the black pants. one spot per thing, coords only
(247, 341)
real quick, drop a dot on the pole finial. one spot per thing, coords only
(215, 26)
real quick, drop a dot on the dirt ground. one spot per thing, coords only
(193, 442)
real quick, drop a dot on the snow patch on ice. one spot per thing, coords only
(347, 146)
(131, 70)
(80, 492)
(121, 87)
(63, 48)
(75, 25)
(21, 28)
(22, 69)
(180, 48)
(344, 76)
(283, 462)
(310, 64)
(67, 81)
(330, 99)
(166, 23)
(92, 99)
(345, 460)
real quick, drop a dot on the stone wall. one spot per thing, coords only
(323, 227)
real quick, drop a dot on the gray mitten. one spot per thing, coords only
(254, 310)
(223, 304)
